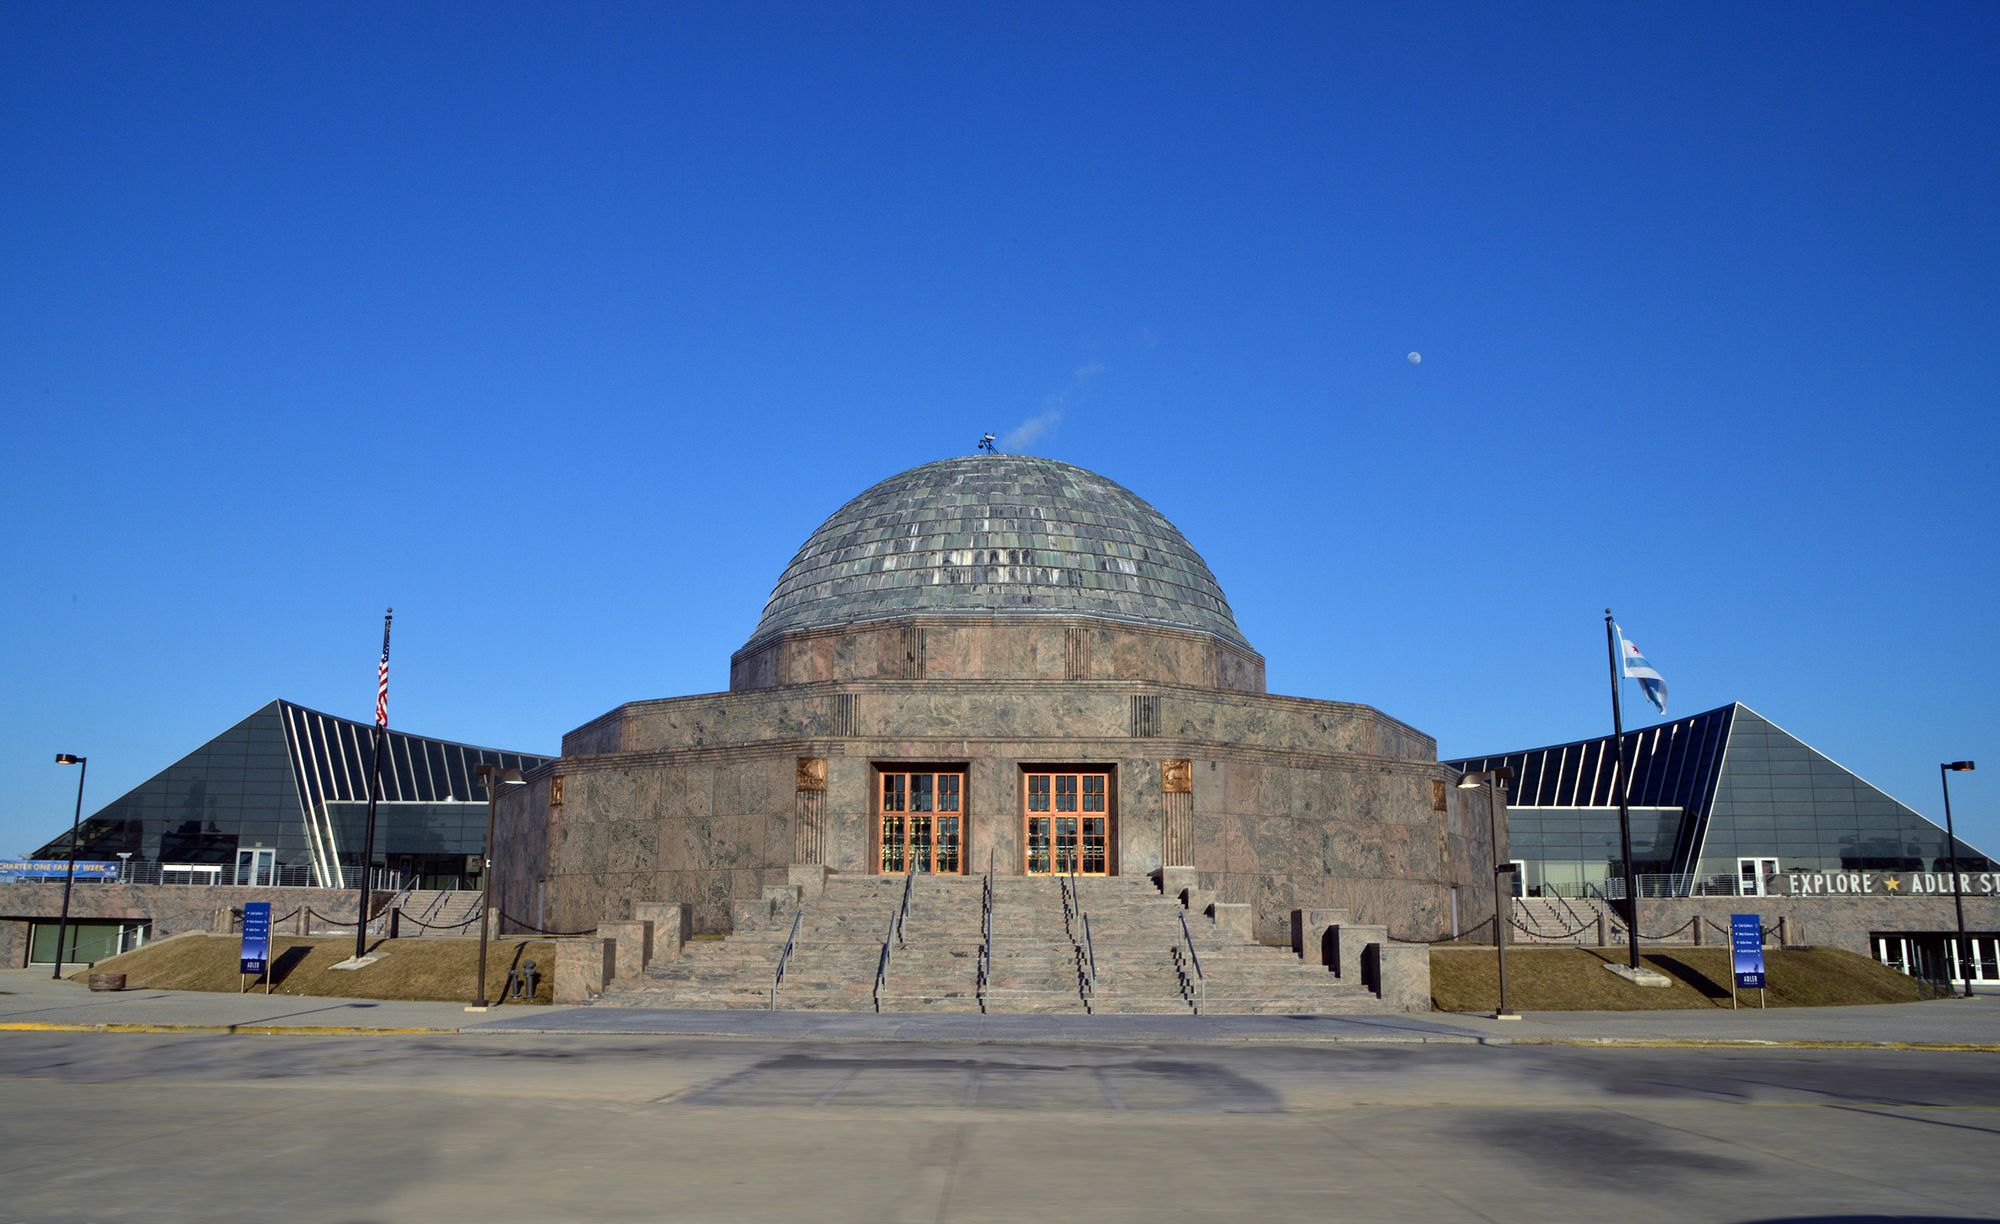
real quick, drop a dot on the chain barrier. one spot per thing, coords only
(1468, 933)
(343, 920)
(440, 926)
(529, 926)
(1669, 934)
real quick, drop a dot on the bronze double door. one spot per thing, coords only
(1066, 822)
(923, 823)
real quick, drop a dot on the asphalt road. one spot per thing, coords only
(109, 1127)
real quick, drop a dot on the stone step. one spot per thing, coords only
(930, 1003)
(1104, 1005)
(1032, 1001)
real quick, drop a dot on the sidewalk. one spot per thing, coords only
(30, 1000)
(1944, 1022)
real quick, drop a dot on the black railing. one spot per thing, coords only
(785, 954)
(986, 932)
(1194, 989)
(893, 937)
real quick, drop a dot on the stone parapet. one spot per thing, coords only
(670, 924)
(584, 967)
(893, 710)
(632, 945)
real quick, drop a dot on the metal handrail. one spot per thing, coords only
(1574, 917)
(894, 935)
(1086, 957)
(785, 954)
(381, 916)
(1194, 959)
(431, 910)
(881, 975)
(986, 932)
(903, 908)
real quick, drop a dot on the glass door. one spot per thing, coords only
(921, 818)
(1751, 875)
(1068, 823)
(257, 867)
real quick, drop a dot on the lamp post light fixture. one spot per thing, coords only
(69, 877)
(1498, 778)
(1945, 771)
(495, 777)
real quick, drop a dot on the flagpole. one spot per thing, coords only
(374, 792)
(1624, 793)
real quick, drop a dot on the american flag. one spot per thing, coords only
(382, 676)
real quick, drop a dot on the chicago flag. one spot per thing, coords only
(1636, 668)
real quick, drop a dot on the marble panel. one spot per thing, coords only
(1233, 833)
(1208, 843)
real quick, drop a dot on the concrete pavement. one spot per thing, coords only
(480, 1127)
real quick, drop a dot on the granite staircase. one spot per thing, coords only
(1562, 920)
(432, 912)
(1102, 944)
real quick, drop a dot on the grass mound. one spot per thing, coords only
(441, 970)
(1574, 979)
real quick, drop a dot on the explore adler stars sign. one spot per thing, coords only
(1889, 883)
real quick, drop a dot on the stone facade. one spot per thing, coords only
(994, 648)
(987, 616)
(1293, 803)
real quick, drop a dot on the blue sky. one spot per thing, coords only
(559, 330)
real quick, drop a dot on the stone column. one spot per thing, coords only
(1177, 819)
(809, 804)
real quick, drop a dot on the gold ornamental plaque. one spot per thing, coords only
(555, 791)
(1177, 776)
(812, 773)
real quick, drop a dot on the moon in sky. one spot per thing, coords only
(1416, 359)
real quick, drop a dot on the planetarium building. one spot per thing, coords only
(998, 663)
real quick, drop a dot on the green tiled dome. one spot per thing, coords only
(997, 535)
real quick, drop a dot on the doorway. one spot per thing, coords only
(1067, 818)
(1753, 875)
(922, 820)
(258, 867)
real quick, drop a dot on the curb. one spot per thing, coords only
(306, 1030)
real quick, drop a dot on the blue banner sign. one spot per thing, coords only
(1746, 950)
(256, 954)
(55, 869)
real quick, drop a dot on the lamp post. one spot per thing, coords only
(495, 777)
(1945, 771)
(1499, 779)
(69, 877)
